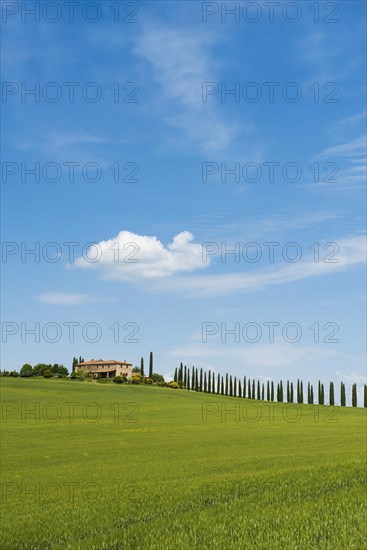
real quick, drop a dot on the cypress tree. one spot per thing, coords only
(331, 394)
(272, 391)
(213, 382)
(288, 392)
(249, 389)
(226, 388)
(319, 392)
(301, 392)
(230, 386)
(193, 378)
(262, 392)
(253, 394)
(280, 391)
(244, 386)
(258, 390)
(185, 377)
(142, 367)
(311, 394)
(151, 365)
(209, 381)
(196, 380)
(365, 395)
(75, 362)
(268, 390)
(201, 380)
(180, 373)
(218, 384)
(239, 389)
(342, 395)
(175, 378)
(205, 383)
(308, 393)
(235, 387)
(188, 380)
(354, 395)
(292, 392)
(222, 386)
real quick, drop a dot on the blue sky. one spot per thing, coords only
(165, 132)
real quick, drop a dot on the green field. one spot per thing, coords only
(137, 467)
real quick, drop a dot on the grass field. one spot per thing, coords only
(119, 466)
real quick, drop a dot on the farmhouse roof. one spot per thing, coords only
(102, 362)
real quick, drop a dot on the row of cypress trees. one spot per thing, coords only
(207, 382)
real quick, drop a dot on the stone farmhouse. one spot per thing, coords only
(98, 368)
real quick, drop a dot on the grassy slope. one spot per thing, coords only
(159, 477)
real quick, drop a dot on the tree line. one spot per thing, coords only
(201, 381)
(41, 369)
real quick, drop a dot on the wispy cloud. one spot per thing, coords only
(281, 358)
(360, 117)
(181, 61)
(352, 253)
(351, 378)
(68, 298)
(353, 148)
(59, 142)
(350, 159)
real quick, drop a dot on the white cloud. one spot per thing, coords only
(134, 257)
(67, 298)
(129, 256)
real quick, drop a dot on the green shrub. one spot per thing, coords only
(81, 374)
(173, 385)
(47, 373)
(136, 379)
(157, 377)
(118, 380)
